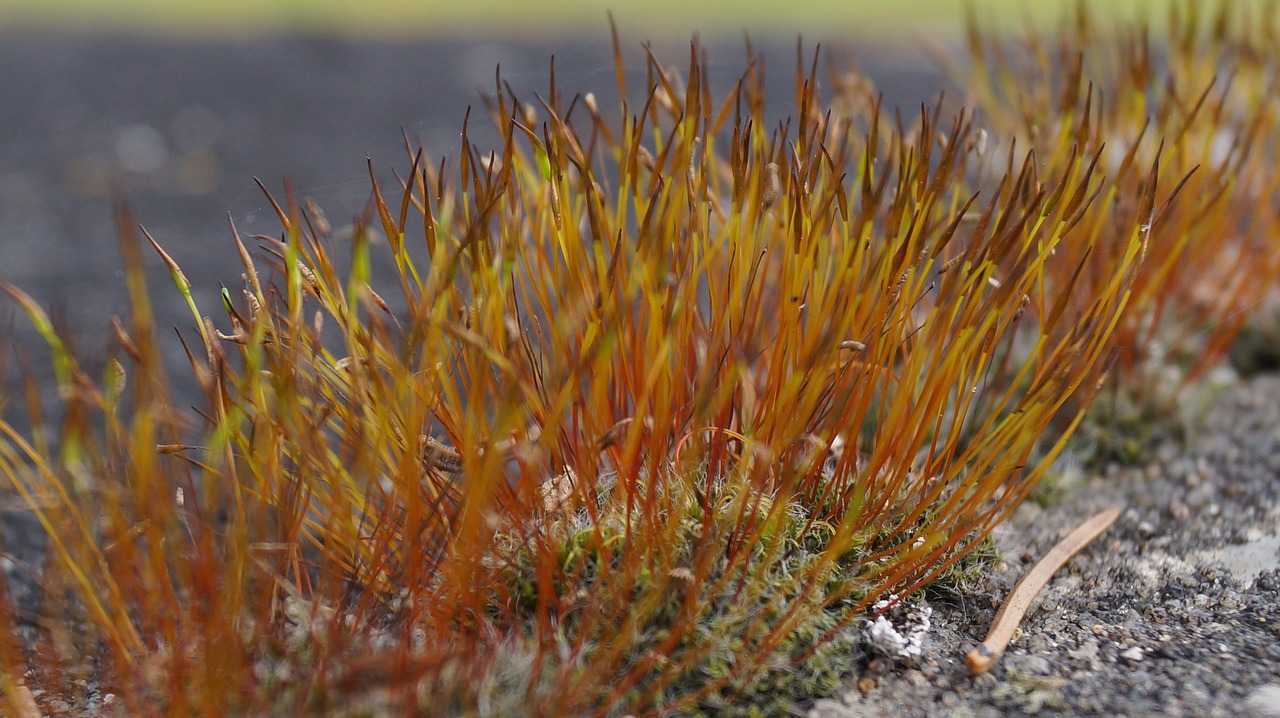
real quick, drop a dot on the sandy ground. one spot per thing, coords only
(1175, 611)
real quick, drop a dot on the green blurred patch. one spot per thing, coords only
(818, 19)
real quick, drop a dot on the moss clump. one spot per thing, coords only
(730, 644)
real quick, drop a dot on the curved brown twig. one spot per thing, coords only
(1016, 604)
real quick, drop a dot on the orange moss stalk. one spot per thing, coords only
(1199, 103)
(644, 401)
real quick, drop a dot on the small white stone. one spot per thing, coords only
(1263, 702)
(899, 632)
(1133, 654)
(829, 708)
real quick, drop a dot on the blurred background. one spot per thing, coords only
(523, 21)
(184, 103)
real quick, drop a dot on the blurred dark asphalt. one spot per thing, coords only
(185, 126)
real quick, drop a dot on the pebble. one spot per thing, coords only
(1133, 654)
(1263, 702)
(915, 678)
(1200, 497)
(828, 708)
(1088, 651)
(1029, 665)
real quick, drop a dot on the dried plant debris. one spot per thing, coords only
(1019, 599)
